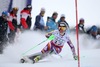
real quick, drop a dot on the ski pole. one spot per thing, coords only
(50, 38)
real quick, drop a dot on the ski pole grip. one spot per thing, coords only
(51, 37)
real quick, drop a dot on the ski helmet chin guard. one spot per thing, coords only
(62, 26)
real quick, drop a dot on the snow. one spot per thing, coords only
(89, 53)
(89, 48)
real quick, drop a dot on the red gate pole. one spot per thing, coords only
(77, 36)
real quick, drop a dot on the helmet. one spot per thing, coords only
(5, 13)
(29, 6)
(62, 26)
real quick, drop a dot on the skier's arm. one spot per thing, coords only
(10, 18)
(71, 47)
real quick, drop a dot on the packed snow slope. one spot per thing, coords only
(89, 52)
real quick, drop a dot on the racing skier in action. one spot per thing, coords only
(54, 46)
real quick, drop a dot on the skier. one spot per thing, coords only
(54, 46)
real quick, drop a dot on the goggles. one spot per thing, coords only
(62, 28)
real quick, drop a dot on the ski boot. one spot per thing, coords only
(36, 59)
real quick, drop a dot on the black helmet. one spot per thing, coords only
(62, 24)
(29, 6)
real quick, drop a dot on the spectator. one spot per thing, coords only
(81, 26)
(62, 19)
(12, 23)
(26, 17)
(51, 24)
(39, 21)
(3, 30)
(48, 19)
(98, 34)
(93, 31)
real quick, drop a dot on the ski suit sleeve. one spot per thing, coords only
(24, 24)
(11, 25)
(71, 47)
(24, 16)
(10, 18)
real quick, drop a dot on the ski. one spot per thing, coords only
(30, 59)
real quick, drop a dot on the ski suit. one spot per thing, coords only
(57, 44)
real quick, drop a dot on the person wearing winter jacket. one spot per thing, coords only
(81, 25)
(93, 31)
(51, 24)
(12, 23)
(25, 17)
(62, 19)
(39, 21)
(3, 30)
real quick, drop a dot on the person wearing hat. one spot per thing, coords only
(39, 21)
(25, 17)
(51, 24)
(81, 26)
(3, 30)
(12, 23)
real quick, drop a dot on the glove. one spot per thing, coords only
(48, 35)
(75, 57)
